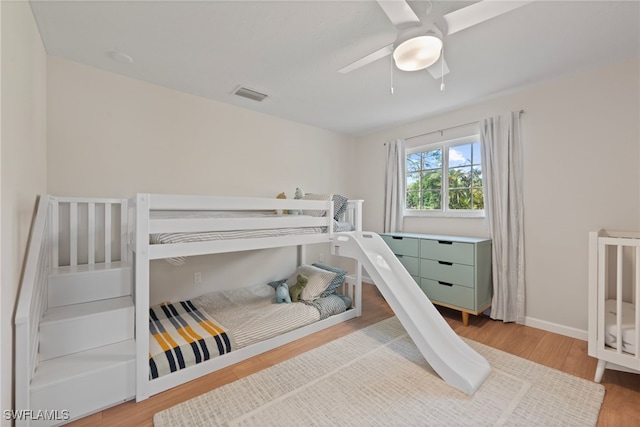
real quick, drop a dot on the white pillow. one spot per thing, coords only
(319, 280)
(312, 196)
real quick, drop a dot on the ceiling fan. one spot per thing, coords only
(419, 42)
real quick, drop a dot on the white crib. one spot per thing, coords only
(614, 301)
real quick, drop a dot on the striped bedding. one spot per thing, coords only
(252, 314)
(168, 238)
(182, 335)
(189, 332)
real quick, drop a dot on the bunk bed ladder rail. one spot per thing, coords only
(68, 235)
(89, 220)
(603, 280)
(32, 303)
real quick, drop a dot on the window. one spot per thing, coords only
(445, 178)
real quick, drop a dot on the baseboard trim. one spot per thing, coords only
(556, 328)
(536, 323)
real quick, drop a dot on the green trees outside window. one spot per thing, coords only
(462, 188)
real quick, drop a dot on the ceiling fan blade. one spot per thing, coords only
(380, 53)
(399, 13)
(439, 69)
(479, 12)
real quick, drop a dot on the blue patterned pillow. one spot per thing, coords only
(336, 282)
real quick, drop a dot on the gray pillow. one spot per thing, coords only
(336, 282)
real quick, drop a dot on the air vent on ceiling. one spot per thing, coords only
(251, 94)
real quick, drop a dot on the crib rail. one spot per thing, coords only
(31, 302)
(614, 276)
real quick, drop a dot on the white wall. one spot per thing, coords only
(23, 162)
(582, 151)
(113, 136)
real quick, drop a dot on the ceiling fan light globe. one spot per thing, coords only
(417, 53)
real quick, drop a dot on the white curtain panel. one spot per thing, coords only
(394, 186)
(502, 172)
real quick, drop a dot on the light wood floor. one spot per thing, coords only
(622, 398)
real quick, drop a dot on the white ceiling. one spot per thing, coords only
(291, 50)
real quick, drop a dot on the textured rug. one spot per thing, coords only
(377, 377)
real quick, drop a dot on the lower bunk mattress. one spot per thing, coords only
(628, 326)
(189, 332)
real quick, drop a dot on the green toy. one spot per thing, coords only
(296, 290)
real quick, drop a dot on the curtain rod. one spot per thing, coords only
(452, 127)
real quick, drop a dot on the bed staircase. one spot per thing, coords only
(75, 347)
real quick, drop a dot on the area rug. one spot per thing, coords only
(377, 377)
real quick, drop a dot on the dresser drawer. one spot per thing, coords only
(403, 245)
(446, 250)
(458, 274)
(458, 296)
(412, 264)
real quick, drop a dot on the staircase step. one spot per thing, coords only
(73, 328)
(85, 382)
(83, 283)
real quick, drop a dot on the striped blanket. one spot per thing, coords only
(182, 335)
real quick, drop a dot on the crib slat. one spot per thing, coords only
(602, 262)
(637, 304)
(91, 232)
(619, 299)
(107, 232)
(73, 234)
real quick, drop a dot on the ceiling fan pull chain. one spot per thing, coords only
(391, 72)
(442, 65)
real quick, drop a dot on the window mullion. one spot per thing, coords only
(445, 178)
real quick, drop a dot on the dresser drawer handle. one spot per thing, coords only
(445, 242)
(397, 237)
(445, 263)
(445, 283)
(398, 255)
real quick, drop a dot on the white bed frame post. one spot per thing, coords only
(357, 222)
(141, 294)
(593, 292)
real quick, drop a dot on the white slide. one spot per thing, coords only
(455, 362)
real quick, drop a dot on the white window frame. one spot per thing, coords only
(445, 211)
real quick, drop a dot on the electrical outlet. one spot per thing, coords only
(321, 258)
(197, 277)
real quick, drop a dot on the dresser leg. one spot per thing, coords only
(465, 318)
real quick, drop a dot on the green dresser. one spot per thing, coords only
(453, 271)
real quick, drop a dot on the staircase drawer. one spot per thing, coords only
(446, 293)
(458, 274)
(400, 245)
(446, 250)
(85, 382)
(74, 328)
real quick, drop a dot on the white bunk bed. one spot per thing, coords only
(176, 226)
(614, 301)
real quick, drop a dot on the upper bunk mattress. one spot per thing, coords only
(205, 236)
